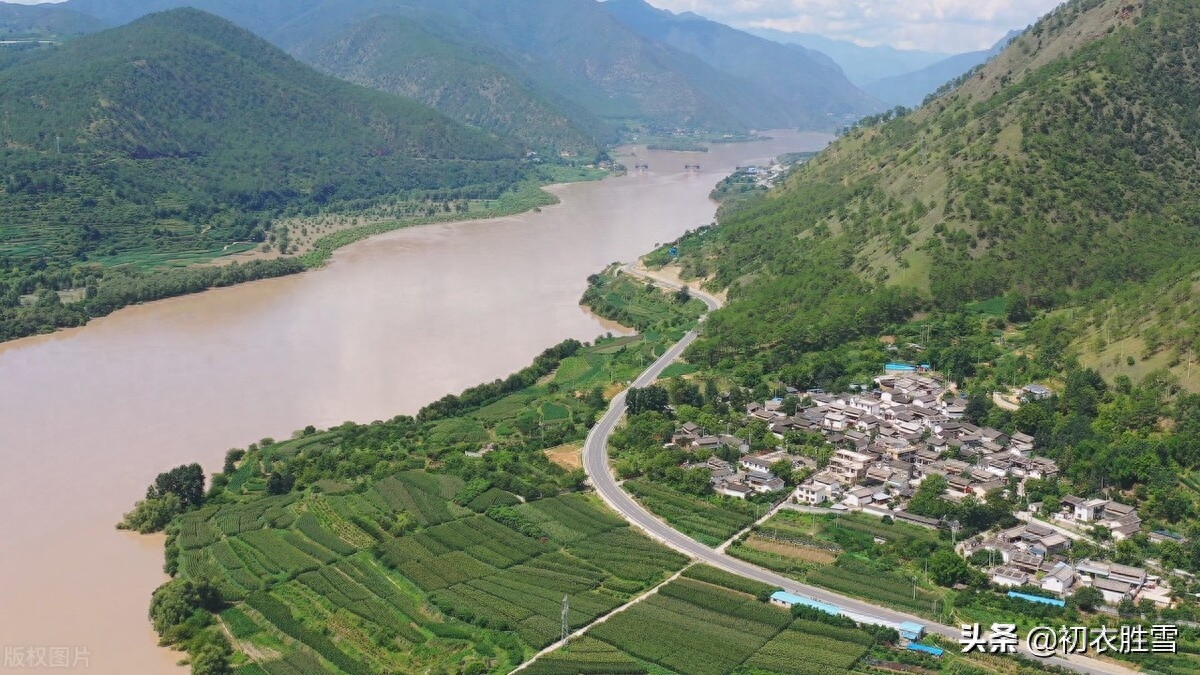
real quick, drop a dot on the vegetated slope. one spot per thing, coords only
(472, 83)
(910, 89)
(799, 87)
(44, 22)
(1067, 164)
(174, 131)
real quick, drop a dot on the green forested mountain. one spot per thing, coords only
(473, 83)
(1066, 169)
(179, 128)
(546, 71)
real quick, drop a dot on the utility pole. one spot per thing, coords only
(566, 613)
(58, 144)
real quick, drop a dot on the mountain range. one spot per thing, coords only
(569, 74)
(911, 89)
(902, 77)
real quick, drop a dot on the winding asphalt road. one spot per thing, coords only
(595, 463)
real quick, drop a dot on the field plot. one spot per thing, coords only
(809, 648)
(587, 655)
(710, 622)
(707, 629)
(707, 521)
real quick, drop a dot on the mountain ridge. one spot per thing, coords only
(1064, 169)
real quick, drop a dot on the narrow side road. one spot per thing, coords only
(595, 464)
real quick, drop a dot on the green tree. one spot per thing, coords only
(185, 482)
(783, 469)
(280, 483)
(947, 568)
(211, 659)
(151, 515)
(1087, 598)
(1018, 309)
(174, 602)
(649, 399)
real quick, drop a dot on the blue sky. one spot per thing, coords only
(932, 25)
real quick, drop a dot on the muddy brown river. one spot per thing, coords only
(89, 416)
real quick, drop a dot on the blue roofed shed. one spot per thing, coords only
(1053, 602)
(789, 600)
(925, 649)
(911, 631)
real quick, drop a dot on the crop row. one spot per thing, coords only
(627, 554)
(311, 528)
(281, 617)
(425, 508)
(586, 655)
(271, 545)
(335, 586)
(877, 587)
(715, 521)
(877, 528)
(295, 663)
(762, 626)
(441, 485)
(329, 519)
(240, 625)
(722, 578)
(727, 603)
(493, 497)
(196, 532)
(681, 643)
(800, 653)
(570, 517)
(852, 635)
(269, 511)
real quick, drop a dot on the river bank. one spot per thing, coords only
(297, 245)
(91, 415)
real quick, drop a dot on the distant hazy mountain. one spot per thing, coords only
(861, 65)
(799, 87)
(44, 22)
(911, 89)
(548, 72)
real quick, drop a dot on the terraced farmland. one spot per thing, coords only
(353, 583)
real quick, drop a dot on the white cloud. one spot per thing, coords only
(933, 25)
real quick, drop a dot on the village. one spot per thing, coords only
(883, 443)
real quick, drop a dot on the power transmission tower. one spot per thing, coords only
(566, 613)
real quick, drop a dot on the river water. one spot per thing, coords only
(89, 416)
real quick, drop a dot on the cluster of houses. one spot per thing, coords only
(1032, 555)
(887, 441)
(884, 443)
